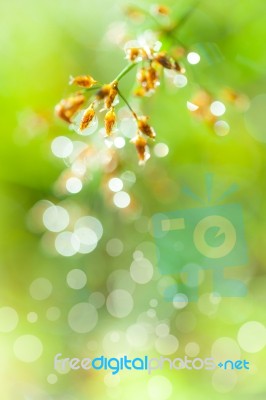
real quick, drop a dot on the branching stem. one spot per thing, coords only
(128, 105)
(124, 71)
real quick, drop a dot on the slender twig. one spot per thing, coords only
(127, 104)
(128, 68)
(171, 34)
(96, 87)
(186, 15)
(169, 31)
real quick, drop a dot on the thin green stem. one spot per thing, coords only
(128, 105)
(181, 21)
(175, 38)
(186, 15)
(168, 31)
(124, 71)
(92, 88)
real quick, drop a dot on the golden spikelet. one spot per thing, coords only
(140, 144)
(161, 9)
(109, 121)
(164, 60)
(145, 128)
(85, 81)
(136, 54)
(68, 107)
(87, 117)
(109, 99)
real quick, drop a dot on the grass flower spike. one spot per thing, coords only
(88, 116)
(141, 147)
(67, 108)
(156, 56)
(85, 81)
(109, 121)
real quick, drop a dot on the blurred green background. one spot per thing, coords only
(42, 44)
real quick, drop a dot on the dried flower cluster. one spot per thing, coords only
(144, 53)
(92, 99)
(148, 78)
(107, 96)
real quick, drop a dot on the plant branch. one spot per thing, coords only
(186, 15)
(96, 87)
(128, 68)
(127, 104)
